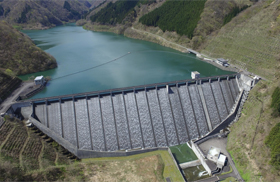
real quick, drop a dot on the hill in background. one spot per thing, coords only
(20, 55)
(248, 34)
(38, 14)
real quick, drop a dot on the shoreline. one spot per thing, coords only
(150, 37)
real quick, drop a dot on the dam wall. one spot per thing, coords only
(137, 119)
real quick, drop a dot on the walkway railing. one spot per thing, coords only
(132, 88)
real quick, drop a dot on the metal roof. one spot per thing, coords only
(39, 78)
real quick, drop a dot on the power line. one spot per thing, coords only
(90, 67)
(113, 61)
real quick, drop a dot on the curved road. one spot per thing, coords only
(12, 98)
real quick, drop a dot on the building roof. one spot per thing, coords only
(195, 72)
(39, 78)
(222, 159)
(214, 151)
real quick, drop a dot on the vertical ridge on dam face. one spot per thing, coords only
(189, 114)
(211, 104)
(156, 118)
(133, 120)
(222, 109)
(198, 110)
(234, 82)
(96, 124)
(141, 117)
(109, 123)
(168, 120)
(40, 111)
(226, 93)
(232, 87)
(82, 124)
(121, 122)
(68, 120)
(146, 124)
(54, 116)
(178, 115)
(231, 93)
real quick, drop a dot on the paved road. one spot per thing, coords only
(159, 37)
(230, 68)
(12, 98)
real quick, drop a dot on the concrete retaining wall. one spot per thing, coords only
(71, 148)
(190, 164)
(93, 154)
(201, 157)
(224, 123)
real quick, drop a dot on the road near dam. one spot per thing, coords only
(137, 119)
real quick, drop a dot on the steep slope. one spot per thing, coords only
(8, 84)
(40, 14)
(250, 40)
(174, 21)
(19, 54)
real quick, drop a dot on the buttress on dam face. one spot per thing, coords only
(135, 118)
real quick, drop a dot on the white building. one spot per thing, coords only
(215, 156)
(39, 80)
(195, 74)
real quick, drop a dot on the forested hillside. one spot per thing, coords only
(19, 55)
(114, 12)
(179, 16)
(120, 12)
(42, 13)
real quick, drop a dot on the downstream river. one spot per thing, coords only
(79, 53)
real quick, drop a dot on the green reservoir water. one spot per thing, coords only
(76, 49)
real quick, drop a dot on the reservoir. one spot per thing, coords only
(79, 54)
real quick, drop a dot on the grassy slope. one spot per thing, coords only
(25, 155)
(251, 41)
(19, 54)
(246, 140)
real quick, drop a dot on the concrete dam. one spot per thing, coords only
(143, 117)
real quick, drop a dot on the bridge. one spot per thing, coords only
(135, 118)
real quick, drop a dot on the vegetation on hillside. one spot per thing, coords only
(19, 54)
(42, 14)
(250, 40)
(8, 84)
(179, 16)
(235, 11)
(114, 13)
(247, 140)
(273, 142)
(275, 103)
